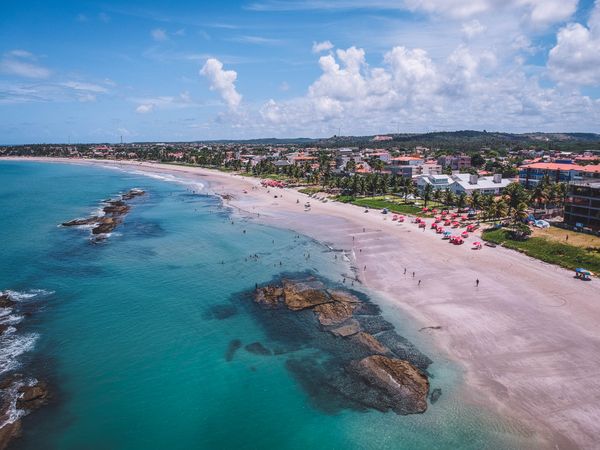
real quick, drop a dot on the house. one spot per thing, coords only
(455, 162)
(531, 174)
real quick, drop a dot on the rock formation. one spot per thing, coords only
(364, 363)
(114, 211)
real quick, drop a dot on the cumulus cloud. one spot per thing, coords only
(159, 35)
(319, 47)
(22, 64)
(465, 89)
(576, 57)
(222, 81)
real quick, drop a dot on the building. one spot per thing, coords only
(467, 183)
(455, 162)
(582, 205)
(531, 174)
(459, 183)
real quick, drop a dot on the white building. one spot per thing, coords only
(464, 182)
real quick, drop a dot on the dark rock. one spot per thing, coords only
(258, 349)
(132, 193)
(105, 225)
(6, 301)
(3, 328)
(32, 397)
(9, 432)
(403, 388)
(76, 222)
(435, 395)
(269, 295)
(233, 347)
(374, 324)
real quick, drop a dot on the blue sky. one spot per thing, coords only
(193, 70)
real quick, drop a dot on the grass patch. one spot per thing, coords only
(550, 251)
(310, 190)
(380, 203)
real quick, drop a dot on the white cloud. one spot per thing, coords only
(535, 12)
(159, 35)
(21, 63)
(81, 86)
(145, 108)
(576, 57)
(150, 104)
(472, 28)
(222, 81)
(466, 89)
(319, 47)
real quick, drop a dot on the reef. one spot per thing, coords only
(340, 349)
(113, 210)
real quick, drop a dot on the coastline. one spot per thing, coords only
(526, 337)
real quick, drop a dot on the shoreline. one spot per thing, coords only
(527, 336)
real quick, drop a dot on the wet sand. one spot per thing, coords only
(527, 336)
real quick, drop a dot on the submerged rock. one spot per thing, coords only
(347, 329)
(403, 387)
(370, 342)
(221, 312)
(233, 347)
(258, 349)
(435, 395)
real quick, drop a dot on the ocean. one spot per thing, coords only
(132, 333)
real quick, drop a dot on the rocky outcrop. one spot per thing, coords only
(355, 369)
(114, 211)
(370, 342)
(32, 397)
(6, 301)
(303, 295)
(269, 296)
(403, 387)
(334, 313)
(29, 397)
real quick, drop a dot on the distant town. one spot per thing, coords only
(546, 177)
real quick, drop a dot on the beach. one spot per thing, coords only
(527, 336)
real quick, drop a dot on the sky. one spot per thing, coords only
(87, 71)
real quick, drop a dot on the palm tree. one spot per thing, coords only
(426, 195)
(475, 200)
(449, 198)
(437, 196)
(520, 212)
(461, 200)
(539, 195)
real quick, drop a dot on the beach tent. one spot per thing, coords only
(583, 274)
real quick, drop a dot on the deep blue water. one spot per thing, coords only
(126, 334)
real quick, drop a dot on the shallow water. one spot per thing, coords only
(133, 333)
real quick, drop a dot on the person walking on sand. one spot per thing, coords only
(419, 283)
(405, 271)
(413, 274)
(477, 282)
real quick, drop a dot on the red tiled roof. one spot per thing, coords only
(552, 166)
(592, 168)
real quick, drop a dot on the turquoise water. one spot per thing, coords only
(126, 336)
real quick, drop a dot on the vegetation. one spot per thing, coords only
(553, 252)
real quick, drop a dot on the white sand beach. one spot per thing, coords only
(528, 336)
